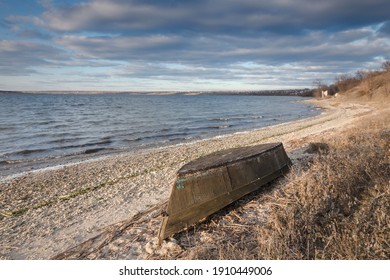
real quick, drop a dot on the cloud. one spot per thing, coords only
(105, 15)
(47, 4)
(221, 16)
(15, 55)
(118, 48)
(246, 42)
(219, 50)
(385, 28)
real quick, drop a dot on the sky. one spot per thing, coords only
(150, 45)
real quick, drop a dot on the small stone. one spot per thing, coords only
(149, 248)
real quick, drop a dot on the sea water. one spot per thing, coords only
(37, 130)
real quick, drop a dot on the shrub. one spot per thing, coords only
(345, 82)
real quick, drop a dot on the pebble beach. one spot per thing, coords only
(45, 212)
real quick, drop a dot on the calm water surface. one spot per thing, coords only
(40, 129)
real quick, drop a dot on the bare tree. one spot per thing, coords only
(318, 86)
(362, 74)
(386, 65)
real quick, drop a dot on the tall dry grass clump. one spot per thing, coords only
(339, 206)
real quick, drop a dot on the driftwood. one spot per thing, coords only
(108, 235)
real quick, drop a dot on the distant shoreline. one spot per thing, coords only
(306, 92)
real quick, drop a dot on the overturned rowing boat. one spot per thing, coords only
(210, 183)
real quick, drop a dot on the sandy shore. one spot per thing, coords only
(44, 213)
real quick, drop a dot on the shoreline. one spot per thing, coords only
(58, 162)
(48, 211)
(80, 160)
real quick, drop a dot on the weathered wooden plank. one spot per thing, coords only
(225, 157)
(193, 189)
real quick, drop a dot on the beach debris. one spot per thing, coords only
(166, 248)
(208, 184)
(95, 246)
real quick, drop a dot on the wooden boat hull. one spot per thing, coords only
(210, 183)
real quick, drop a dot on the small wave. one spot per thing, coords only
(93, 151)
(77, 146)
(103, 142)
(218, 126)
(58, 126)
(62, 140)
(142, 138)
(7, 162)
(44, 123)
(26, 152)
(194, 128)
(218, 119)
(2, 128)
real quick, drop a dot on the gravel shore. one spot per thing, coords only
(45, 212)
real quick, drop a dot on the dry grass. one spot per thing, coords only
(339, 207)
(336, 205)
(375, 86)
